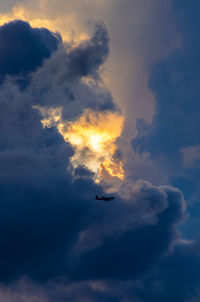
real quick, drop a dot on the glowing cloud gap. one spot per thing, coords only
(93, 137)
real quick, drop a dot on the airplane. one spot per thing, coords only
(104, 198)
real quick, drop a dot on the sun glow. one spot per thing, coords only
(93, 137)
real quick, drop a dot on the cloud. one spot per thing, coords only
(41, 223)
(51, 228)
(173, 81)
(175, 284)
(24, 48)
(93, 137)
(127, 75)
(172, 139)
(49, 222)
(90, 55)
(126, 71)
(124, 254)
(191, 155)
(171, 142)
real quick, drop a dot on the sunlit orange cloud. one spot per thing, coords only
(93, 137)
(67, 26)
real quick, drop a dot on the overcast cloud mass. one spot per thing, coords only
(67, 70)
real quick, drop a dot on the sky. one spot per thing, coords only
(99, 97)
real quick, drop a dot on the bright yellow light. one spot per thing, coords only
(93, 137)
(95, 141)
(111, 167)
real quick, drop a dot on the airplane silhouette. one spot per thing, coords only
(104, 198)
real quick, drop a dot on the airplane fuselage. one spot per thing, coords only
(104, 198)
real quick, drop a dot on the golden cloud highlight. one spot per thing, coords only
(93, 137)
(67, 26)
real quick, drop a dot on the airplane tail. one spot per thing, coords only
(97, 197)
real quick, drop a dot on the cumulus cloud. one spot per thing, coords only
(90, 55)
(172, 139)
(20, 42)
(51, 228)
(173, 80)
(172, 144)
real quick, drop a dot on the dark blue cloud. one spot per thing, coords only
(90, 55)
(39, 226)
(45, 211)
(50, 225)
(43, 208)
(135, 251)
(175, 83)
(23, 48)
(177, 277)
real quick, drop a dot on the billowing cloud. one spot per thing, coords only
(174, 83)
(50, 223)
(57, 242)
(20, 42)
(172, 139)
